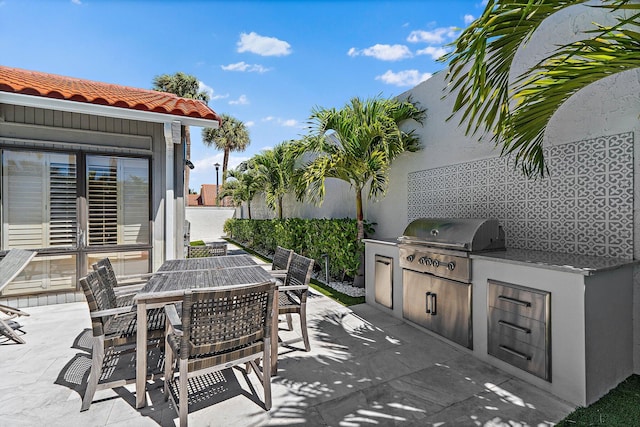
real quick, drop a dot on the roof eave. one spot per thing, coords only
(102, 110)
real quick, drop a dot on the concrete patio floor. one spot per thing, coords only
(365, 368)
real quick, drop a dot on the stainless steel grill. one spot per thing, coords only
(434, 256)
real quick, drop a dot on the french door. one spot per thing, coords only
(74, 208)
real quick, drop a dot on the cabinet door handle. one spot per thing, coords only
(514, 327)
(427, 305)
(514, 301)
(514, 352)
(434, 305)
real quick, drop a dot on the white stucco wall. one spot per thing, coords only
(608, 107)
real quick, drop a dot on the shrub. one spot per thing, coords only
(308, 237)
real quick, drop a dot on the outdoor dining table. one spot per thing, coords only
(169, 284)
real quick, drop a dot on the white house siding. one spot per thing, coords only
(43, 128)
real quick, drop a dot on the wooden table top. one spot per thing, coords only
(209, 263)
(174, 283)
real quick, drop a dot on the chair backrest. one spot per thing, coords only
(217, 248)
(281, 258)
(13, 263)
(99, 297)
(299, 271)
(212, 249)
(108, 274)
(223, 320)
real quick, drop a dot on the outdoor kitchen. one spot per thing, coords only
(562, 322)
(551, 292)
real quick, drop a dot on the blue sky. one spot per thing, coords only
(267, 63)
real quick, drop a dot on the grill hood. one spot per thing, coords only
(467, 234)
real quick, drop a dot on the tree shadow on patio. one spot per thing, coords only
(359, 374)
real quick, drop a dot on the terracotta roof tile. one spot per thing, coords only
(192, 199)
(16, 80)
(208, 194)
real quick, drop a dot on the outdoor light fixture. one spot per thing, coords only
(217, 165)
(188, 163)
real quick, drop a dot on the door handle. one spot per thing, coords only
(431, 303)
(428, 299)
(434, 304)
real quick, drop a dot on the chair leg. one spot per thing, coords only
(266, 373)
(183, 404)
(289, 322)
(97, 358)
(303, 326)
(168, 370)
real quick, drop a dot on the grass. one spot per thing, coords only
(343, 299)
(619, 407)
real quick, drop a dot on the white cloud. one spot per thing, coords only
(404, 78)
(384, 52)
(202, 87)
(280, 121)
(250, 123)
(437, 36)
(242, 100)
(72, 1)
(265, 46)
(243, 66)
(434, 52)
(468, 19)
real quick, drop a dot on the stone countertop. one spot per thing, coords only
(571, 263)
(393, 241)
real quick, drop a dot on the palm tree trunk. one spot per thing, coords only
(359, 214)
(225, 163)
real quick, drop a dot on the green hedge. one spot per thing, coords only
(308, 237)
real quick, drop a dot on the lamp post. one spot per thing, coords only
(217, 165)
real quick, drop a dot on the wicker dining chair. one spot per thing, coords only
(123, 287)
(280, 263)
(114, 333)
(217, 329)
(292, 294)
(208, 250)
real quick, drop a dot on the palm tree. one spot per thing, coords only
(276, 172)
(357, 144)
(243, 186)
(517, 112)
(232, 135)
(185, 86)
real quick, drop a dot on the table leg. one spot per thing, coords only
(141, 356)
(274, 337)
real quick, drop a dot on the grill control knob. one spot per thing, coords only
(423, 260)
(451, 266)
(410, 257)
(428, 261)
(436, 263)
